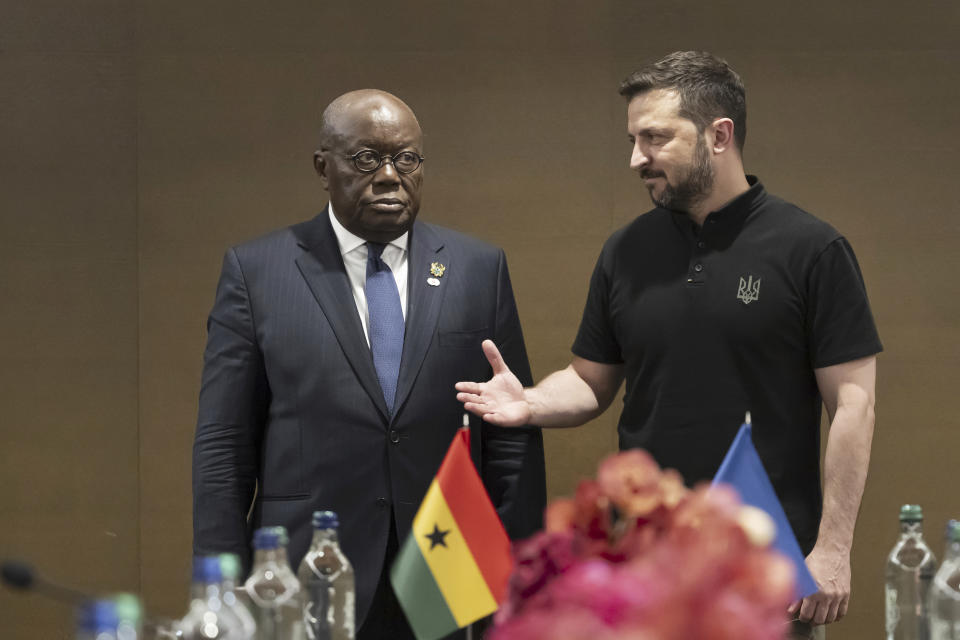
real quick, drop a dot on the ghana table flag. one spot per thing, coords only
(453, 567)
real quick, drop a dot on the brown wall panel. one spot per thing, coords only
(68, 284)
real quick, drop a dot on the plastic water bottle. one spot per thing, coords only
(944, 599)
(129, 616)
(209, 616)
(237, 601)
(97, 620)
(909, 573)
(119, 617)
(273, 588)
(326, 578)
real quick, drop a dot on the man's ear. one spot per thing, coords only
(320, 165)
(722, 135)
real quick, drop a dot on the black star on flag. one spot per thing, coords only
(437, 537)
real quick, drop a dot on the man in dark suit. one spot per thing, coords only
(332, 354)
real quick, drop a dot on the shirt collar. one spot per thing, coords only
(349, 242)
(741, 206)
(734, 212)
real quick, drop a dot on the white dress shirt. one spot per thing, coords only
(353, 249)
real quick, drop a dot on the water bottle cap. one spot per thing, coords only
(282, 538)
(265, 538)
(206, 569)
(129, 608)
(98, 615)
(325, 520)
(270, 538)
(911, 513)
(953, 531)
(230, 566)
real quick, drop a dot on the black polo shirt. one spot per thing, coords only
(712, 322)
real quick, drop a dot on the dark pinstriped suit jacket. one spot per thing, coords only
(290, 403)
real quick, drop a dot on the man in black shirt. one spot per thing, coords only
(720, 300)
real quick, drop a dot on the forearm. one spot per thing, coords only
(224, 478)
(845, 472)
(563, 399)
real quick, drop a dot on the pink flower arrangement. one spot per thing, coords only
(635, 555)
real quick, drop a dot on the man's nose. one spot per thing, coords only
(386, 173)
(638, 159)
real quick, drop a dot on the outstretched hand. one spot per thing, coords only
(500, 400)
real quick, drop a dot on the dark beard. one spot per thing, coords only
(692, 187)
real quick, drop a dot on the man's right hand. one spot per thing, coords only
(500, 400)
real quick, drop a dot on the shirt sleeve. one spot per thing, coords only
(840, 325)
(596, 340)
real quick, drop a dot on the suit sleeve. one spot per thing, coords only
(232, 409)
(513, 464)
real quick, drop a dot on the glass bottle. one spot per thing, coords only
(944, 598)
(909, 573)
(273, 588)
(209, 617)
(327, 583)
(97, 620)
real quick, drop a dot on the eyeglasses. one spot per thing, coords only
(368, 161)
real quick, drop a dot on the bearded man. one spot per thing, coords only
(722, 299)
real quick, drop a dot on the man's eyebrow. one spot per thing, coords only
(654, 130)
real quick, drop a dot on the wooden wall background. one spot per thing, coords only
(139, 139)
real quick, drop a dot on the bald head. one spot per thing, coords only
(376, 204)
(371, 104)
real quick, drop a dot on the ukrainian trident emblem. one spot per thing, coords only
(749, 290)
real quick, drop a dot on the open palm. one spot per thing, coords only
(500, 400)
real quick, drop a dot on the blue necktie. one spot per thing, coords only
(386, 321)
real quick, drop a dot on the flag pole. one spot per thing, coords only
(466, 427)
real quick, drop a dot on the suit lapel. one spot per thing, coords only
(423, 305)
(322, 267)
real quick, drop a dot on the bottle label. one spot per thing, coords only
(940, 629)
(893, 610)
(316, 609)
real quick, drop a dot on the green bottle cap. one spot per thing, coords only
(953, 531)
(129, 608)
(230, 566)
(282, 536)
(911, 513)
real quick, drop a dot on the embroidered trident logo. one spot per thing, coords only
(749, 290)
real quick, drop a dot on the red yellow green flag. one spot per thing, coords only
(453, 567)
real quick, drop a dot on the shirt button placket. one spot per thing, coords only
(696, 264)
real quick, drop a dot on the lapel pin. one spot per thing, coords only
(436, 271)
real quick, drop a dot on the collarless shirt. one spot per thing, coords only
(710, 322)
(353, 250)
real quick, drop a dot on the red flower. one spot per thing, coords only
(636, 556)
(536, 562)
(636, 486)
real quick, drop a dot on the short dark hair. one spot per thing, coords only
(707, 86)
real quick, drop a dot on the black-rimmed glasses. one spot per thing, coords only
(368, 161)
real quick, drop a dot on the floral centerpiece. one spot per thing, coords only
(636, 555)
